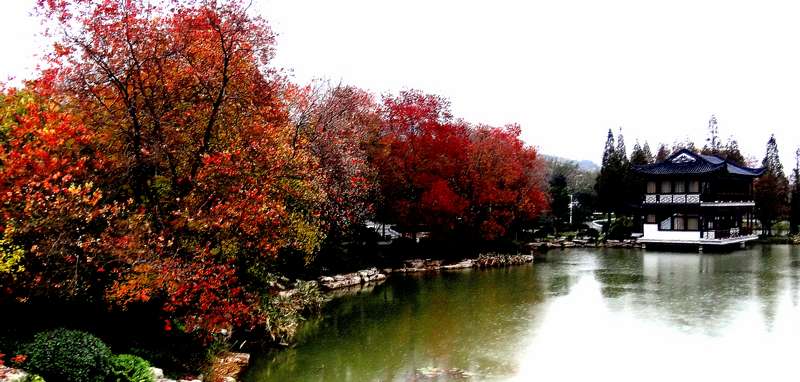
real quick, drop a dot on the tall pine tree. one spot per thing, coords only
(608, 150)
(686, 143)
(638, 155)
(607, 185)
(731, 152)
(663, 152)
(713, 144)
(794, 221)
(771, 190)
(647, 153)
(559, 201)
(621, 151)
(611, 187)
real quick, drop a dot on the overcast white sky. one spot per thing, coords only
(566, 70)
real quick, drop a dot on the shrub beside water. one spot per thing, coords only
(69, 356)
(286, 311)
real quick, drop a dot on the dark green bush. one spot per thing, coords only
(621, 229)
(69, 356)
(130, 368)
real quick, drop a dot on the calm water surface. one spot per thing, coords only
(583, 314)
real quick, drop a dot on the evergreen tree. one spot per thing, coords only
(608, 151)
(638, 155)
(663, 153)
(559, 200)
(607, 186)
(684, 144)
(647, 153)
(771, 191)
(621, 151)
(731, 152)
(612, 190)
(794, 221)
(713, 144)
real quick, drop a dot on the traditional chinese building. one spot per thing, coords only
(697, 199)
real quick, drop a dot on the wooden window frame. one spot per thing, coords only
(685, 223)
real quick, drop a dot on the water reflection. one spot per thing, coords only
(621, 314)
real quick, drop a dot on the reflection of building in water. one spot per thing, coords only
(694, 199)
(680, 268)
(696, 291)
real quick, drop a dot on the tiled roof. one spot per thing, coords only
(686, 162)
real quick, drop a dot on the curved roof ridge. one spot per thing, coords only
(685, 161)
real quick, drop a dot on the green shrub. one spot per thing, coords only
(31, 378)
(286, 311)
(621, 229)
(69, 356)
(130, 368)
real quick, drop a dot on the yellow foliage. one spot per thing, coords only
(10, 254)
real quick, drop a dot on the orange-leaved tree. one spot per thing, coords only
(196, 129)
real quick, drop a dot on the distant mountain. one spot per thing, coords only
(585, 165)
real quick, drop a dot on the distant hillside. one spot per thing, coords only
(585, 165)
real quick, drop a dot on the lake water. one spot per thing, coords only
(585, 314)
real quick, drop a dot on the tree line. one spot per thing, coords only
(160, 159)
(618, 188)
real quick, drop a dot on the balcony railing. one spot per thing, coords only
(727, 196)
(728, 233)
(672, 198)
(721, 199)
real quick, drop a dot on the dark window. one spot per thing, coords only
(651, 219)
(694, 186)
(666, 187)
(679, 223)
(680, 187)
(651, 187)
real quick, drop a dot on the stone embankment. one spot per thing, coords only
(489, 261)
(365, 276)
(578, 243)
(372, 276)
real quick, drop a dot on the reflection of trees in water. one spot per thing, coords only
(794, 274)
(774, 265)
(619, 271)
(695, 291)
(478, 320)
(473, 320)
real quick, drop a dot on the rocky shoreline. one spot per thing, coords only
(581, 243)
(374, 276)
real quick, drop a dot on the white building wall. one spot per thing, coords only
(651, 232)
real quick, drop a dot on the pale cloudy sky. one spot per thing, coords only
(566, 70)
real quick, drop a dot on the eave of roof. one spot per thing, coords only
(702, 164)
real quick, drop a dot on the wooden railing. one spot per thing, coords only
(696, 198)
(728, 233)
(727, 196)
(672, 198)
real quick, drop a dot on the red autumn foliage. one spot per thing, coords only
(159, 159)
(440, 174)
(342, 125)
(421, 162)
(506, 181)
(50, 196)
(201, 150)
